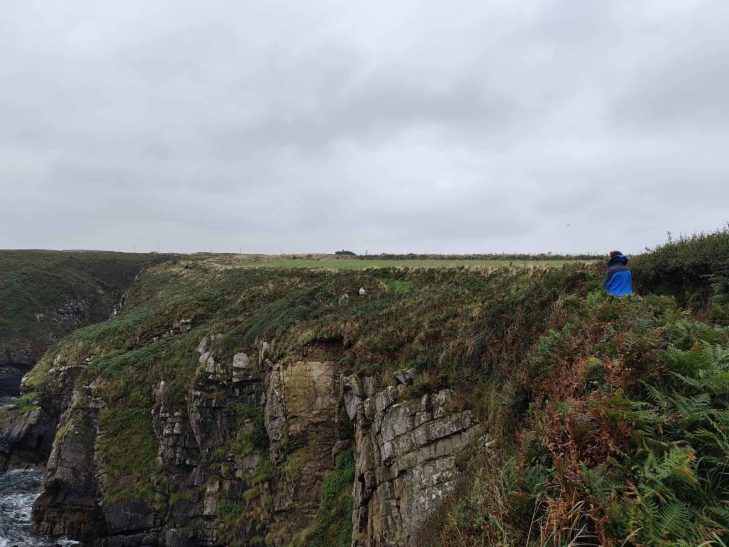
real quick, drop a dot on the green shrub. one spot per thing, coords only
(685, 268)
(26, 403)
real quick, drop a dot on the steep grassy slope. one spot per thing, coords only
(445, 322)
(46, 294)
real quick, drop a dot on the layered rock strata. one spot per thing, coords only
(253, 440)
(405, 457)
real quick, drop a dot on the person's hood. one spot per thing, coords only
(620, 258)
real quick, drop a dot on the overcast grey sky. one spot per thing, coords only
(425, 126)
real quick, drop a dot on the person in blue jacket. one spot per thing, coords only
(619, 280)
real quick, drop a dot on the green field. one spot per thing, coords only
(330, 263)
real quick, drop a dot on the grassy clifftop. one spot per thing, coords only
(442, 320)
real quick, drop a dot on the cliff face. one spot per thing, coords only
(406, 457)
(69, 501)
(45, 295)
(244, 458)
(233, 406)
(28, 436)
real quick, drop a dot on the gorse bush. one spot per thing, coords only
(686, 268)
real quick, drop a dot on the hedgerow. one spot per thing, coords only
(687, 268)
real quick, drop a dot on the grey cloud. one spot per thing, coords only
(564, 125)
(681, 82)
(380, 108)
(686, 91)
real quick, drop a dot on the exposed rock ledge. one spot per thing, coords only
(405, 458)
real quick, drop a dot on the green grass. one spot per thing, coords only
(35, 285)
(333, 523)
(363, 264)
(398, 286)
(26, 403)
(128, 449)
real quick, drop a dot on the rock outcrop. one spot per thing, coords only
(244, 455)
(28, 438)
(251, 443)
(406, 453)
(300, 417)
(68, 504)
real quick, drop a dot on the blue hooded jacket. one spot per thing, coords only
(619, 280)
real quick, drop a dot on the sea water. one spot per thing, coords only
(18, 491)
